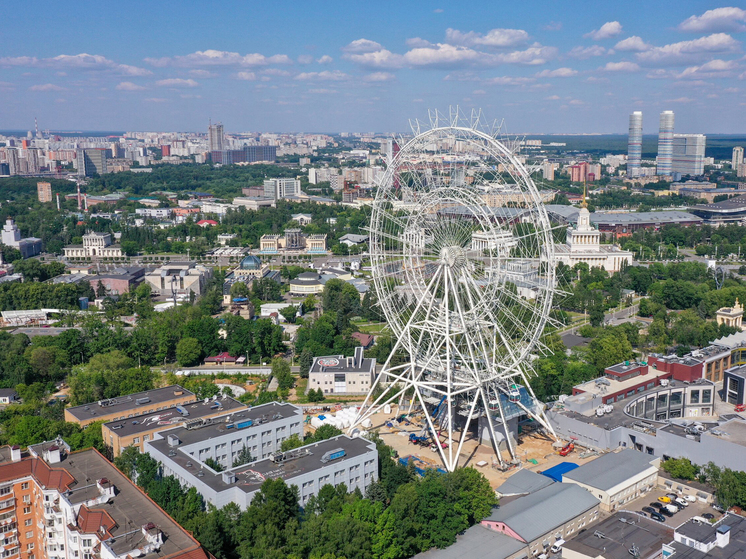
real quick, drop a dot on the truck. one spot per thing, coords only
(567, 449)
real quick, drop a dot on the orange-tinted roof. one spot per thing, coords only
(90, 521)
(50, 478)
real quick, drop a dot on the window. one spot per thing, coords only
(86, 542)
(29, 535)
(136, 440)
(694, 397)
(28, 522)
(706, 396)
(30, 546)
(24, 485)
(146, 438)
(5, 490)
(27, 498)
(26, 510)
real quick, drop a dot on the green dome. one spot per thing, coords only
(251, 262)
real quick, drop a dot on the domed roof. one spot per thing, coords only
(250, 262)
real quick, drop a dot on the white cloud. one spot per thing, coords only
(680, 100)
(129, 86)
(202, 74)
(46, 87)
(587, 52)
(379, 77)
(713, 69)
(509, 80)
(719, 19)
(440, 54)
(322, 91)
(213, 57)
(19, 61)
(576, 102)
(494, 38)
(418, 42)
(326, 75)
(552, 98)
(558, 73)
(620, 67)
(633, 44)
(246, 76)
(479, 92)
(553, 26)
(326, 59)
(594, 79)
(688, 51)
(382, 58)
(362, 45)
(156, 100)
(176, 82)
(305, 59)
(606, 31)
(438, 11)
(275, 72)
(81, 61)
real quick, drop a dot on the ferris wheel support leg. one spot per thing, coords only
(541, 416)
(433, 432)
(466, 426)
(506, 429)
(495, 444)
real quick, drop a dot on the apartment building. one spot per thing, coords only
(62, 505)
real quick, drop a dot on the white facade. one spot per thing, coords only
(688, 154)
(737, 157)
(278, 189)
(159, 213)
(95, 245)
(11, 236)
(634, 144)
(584, 245)
(665, 143)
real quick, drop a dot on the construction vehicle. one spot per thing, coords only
(741, 407)
(567, 449)
(420, 440)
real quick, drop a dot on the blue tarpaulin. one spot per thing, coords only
(555, 472)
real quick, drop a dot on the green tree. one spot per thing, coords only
(243, 457)
(239, 289)
(214, 464)
(611, 348)
(293, 441)
(306, 361)
(188, 352)
(681, 468)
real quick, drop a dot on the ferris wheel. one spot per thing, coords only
(463, 268)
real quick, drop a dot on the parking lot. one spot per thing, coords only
(694, 509)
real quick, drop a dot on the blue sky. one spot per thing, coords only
(311, 66)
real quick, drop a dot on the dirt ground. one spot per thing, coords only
(532, 446)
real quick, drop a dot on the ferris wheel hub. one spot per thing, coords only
(453, 256)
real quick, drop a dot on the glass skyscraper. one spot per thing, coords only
(634, 144)
(665, 143)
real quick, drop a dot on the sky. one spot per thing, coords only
(350, 66)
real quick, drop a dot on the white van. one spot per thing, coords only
(557, 547)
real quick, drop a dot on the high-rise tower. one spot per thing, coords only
(634, 144)
(215, 137)
(737, 157)
(665, 143)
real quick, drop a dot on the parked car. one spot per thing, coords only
(656, 505)
(708, 516)
(664, 499)
(557, 547)
(681, 501)
(673, 509)
(718, 508)
(649, 510)
(672, 496)
(664, 511)
(657, 516)
(642, 513)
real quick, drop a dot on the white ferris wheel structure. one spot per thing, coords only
(458, 237)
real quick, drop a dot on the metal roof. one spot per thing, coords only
(609, 470)
(556, 472)
(477, 541)
(523, 482)
(543, 511)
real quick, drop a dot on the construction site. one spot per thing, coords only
(535, 450)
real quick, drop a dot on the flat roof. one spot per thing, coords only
(737, 203)
(266, 412)
(129, 508)
(606, 385)
(172, 416)
(618, 533)
(340, 364)
(733, 431)
(609, 470)
(251, 476)
(124, 404)
(523, 482)
(706, 532)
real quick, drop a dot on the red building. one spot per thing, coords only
(165, 150)
(579, 172)
(622, 381)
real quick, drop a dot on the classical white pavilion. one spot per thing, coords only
(584, 245)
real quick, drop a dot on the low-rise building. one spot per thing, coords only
(336, 374)
(251, 267)
(254, 202)
(617, 536)
(302, 219)
(119, 280)
(95, 245)
(132, 405)
(8, 396)
(730, 316)
(616, 478)
(697, 538)
(11, 236)
(334, 461)
(155, 213)
(734, 386)
(293, 240)
(179, 277)
(307, 283)
(545, 516)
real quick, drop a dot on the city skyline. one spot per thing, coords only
(278, 68)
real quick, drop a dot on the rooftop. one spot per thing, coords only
(609, 385)
(173, 416)
(523, 482)
(615, 536)
(249, 477)
(609, 470)
(544, 510)
(124, 404)
(706, 533)
(477, 541)
(341, 364)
